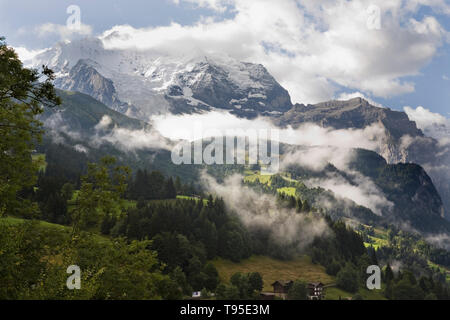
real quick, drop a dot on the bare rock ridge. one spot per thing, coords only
(354, 113)
(84, 78)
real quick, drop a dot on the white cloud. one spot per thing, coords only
(432, 124)
(55, 125)
(185, 127)
(218, 5)
(81, 148)
(259, 210)
(363, 191)
(64, 32)
(440, 240)
(424, 117)
(26, 55)
(106, 131)
(311, 47)
(104, 123)
(128, 139)
(317, 158)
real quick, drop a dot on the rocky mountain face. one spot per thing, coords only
(79, 115)
(354, 113)
(435, 159)
(417, 201)
(84, 78)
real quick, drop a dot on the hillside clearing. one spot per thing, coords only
(14, 221)
(58, 227)
(289, 191)
(272, 270)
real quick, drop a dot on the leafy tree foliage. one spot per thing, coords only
(347, 278)
(255, 281)
(242, 286)
(227, 292)
(23, 92)
(100, 194)
(388, 274)
(298, 291)
(34, 259)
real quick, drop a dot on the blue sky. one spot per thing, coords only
(430, 75)
(100, 14)
(432, 87)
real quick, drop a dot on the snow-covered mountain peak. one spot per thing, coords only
(155, 83)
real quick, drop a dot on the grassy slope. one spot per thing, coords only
(299, 268)
(377, 243)
(252, 176)
(287, 191)
(266, 179)
(14, 221)
(379, 239)
(44, 224)
(272, 270)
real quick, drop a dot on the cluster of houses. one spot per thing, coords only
(281, 289)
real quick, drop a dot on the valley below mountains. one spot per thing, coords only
(111, 98)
